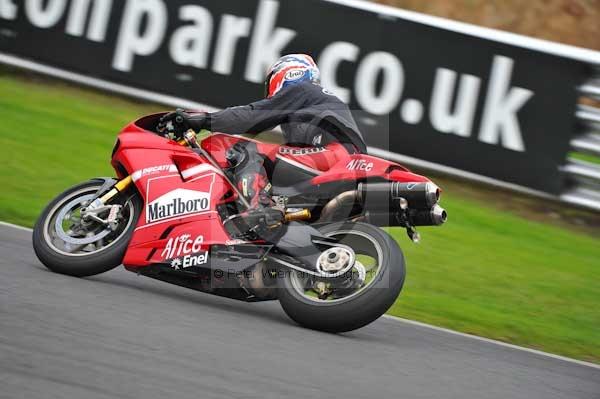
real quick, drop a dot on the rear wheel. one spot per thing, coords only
(368, 291)
(67, 243)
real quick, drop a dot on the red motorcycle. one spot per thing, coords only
(174, 215)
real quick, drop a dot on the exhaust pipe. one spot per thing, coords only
(375, 196)
(383, 207)
(436, 216)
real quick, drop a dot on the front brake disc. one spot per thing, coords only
(62, 234)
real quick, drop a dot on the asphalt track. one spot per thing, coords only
(118, 335)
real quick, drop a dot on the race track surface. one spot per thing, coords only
(122, 336)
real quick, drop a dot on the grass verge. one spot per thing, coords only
(490, 271)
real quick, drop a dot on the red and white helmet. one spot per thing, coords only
(291, 69)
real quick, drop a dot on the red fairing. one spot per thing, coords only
(180, 190)
(362, 167)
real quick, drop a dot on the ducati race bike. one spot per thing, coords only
(173, 214)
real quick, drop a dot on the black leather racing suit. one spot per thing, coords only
(308, 115)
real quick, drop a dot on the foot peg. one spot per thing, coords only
(259, 221)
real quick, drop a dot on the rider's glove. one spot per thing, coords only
(179, 122)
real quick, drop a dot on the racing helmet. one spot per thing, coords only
(289, 70)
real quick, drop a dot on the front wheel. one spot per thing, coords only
(67, 243)
(379, 270)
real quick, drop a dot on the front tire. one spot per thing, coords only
(60, 250)
(360, 308)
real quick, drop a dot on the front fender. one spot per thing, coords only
(107, 184)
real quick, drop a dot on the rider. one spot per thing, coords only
(308, 114)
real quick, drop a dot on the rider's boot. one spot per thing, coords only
(247, 169)
(263, 217)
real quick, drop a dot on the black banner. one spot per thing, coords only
(478, 105)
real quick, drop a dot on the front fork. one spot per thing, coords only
(119, 187)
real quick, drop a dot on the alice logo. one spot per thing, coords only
(182, 245)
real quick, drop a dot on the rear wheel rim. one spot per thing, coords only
(61, 236)
(301, 282)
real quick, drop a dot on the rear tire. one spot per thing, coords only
(82, 265)
(357, 310)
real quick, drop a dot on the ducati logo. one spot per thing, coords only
(138, 174)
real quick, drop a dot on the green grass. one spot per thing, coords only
(585, 157)
(496, 275)
(487, 272)
(53, 137)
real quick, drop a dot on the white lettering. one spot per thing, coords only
(168, 249)
(45, 17)
(500, 122)
(98, 20)
(197, 244)
(177, 203)
(360, 164)
(182, 245)
(231, 30)
(138, 174)
(195, 260)
(366, 82)
(412, 111)
(131, 41)
(190, 44)
(459, 121)
(267, 41)
(8, 9)
(329, 62)
(186, 247)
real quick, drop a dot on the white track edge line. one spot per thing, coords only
(436, 328)
(15, 226)
(492, 341)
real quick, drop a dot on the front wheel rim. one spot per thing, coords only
(66, 241)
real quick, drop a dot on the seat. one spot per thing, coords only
(295, 165)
